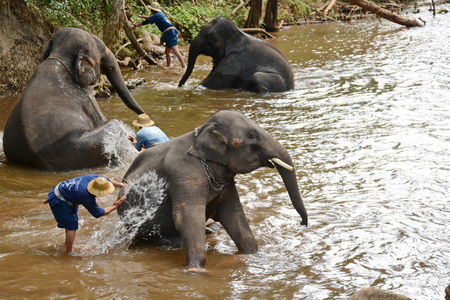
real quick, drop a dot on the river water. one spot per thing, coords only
(368, 127)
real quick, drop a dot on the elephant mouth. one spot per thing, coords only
(281, 163)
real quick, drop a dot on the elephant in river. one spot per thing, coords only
(240, 61)
(178, 185)
(57, 123)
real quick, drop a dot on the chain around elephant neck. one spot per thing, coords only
(63, 63)
(213, 183)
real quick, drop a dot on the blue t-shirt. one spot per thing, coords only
(160, 20)
(150, 135)
(75, 191)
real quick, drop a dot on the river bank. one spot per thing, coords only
(25, 32)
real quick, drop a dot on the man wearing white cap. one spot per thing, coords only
(148, 135)
(65, 197)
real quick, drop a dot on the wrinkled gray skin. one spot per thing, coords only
(240, 61)
(230, 144)
(57, 123)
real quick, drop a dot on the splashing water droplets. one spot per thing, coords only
(144, 197)
(116, 145)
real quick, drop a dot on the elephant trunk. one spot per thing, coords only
(284, 165)
(190, 67)
(115, 77)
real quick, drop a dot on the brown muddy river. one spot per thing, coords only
(368, 128)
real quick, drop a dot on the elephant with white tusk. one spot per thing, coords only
(197, 171)
(57, 123)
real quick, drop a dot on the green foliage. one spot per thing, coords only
(187, 14)
(195, 17)
(297, 9)
(85, 14)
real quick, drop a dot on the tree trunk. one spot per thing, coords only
(384, 13)
(254, 15)
(328, 7)
(113, 24)
(271, 16)
(130, 35)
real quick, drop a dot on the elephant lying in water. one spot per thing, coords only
(57, 123)
(239, 60)
(196, 174)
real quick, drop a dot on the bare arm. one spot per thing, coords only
(114, 206)
(140, 24)
(141, 16)
(117, 184)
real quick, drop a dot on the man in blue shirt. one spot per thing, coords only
(65, 197)
(169, 32)
(149, 135)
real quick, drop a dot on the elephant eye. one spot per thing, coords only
(252, 135)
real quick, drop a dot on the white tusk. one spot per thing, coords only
(281, 163)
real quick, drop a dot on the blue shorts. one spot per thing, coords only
(66, 215)
(170, 37)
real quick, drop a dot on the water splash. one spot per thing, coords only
(144, 197)
(116, 146)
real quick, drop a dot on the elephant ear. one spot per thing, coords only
(209, 144)
(228, 37)
(47, 50)
(87, 71)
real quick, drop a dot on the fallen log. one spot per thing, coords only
(384, 13)
(257, 31)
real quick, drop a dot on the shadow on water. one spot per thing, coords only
(368, 130)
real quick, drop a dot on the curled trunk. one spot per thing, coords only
(290, 181)
(287, 172)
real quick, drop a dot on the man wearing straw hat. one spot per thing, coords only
(65, 197)
(148, 135)
(169, 32)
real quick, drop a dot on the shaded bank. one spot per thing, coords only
(23, 35)
(25, 31)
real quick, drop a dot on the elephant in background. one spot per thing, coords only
(57, 123)
(178, 185)
(240, 61)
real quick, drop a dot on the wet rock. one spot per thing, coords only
(132, 83)
(371, 293)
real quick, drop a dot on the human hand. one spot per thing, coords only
(119, 201)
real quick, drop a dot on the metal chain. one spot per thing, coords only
(213, 183)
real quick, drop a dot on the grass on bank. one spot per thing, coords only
(90, 15)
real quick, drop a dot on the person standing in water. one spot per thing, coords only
(148, 135)
(65, 197)
(169, 32)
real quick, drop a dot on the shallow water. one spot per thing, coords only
(368, 127)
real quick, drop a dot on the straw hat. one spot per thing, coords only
(100, 186)
(155, 6)
(143, 120)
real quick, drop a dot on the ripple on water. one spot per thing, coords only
(368, 130)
